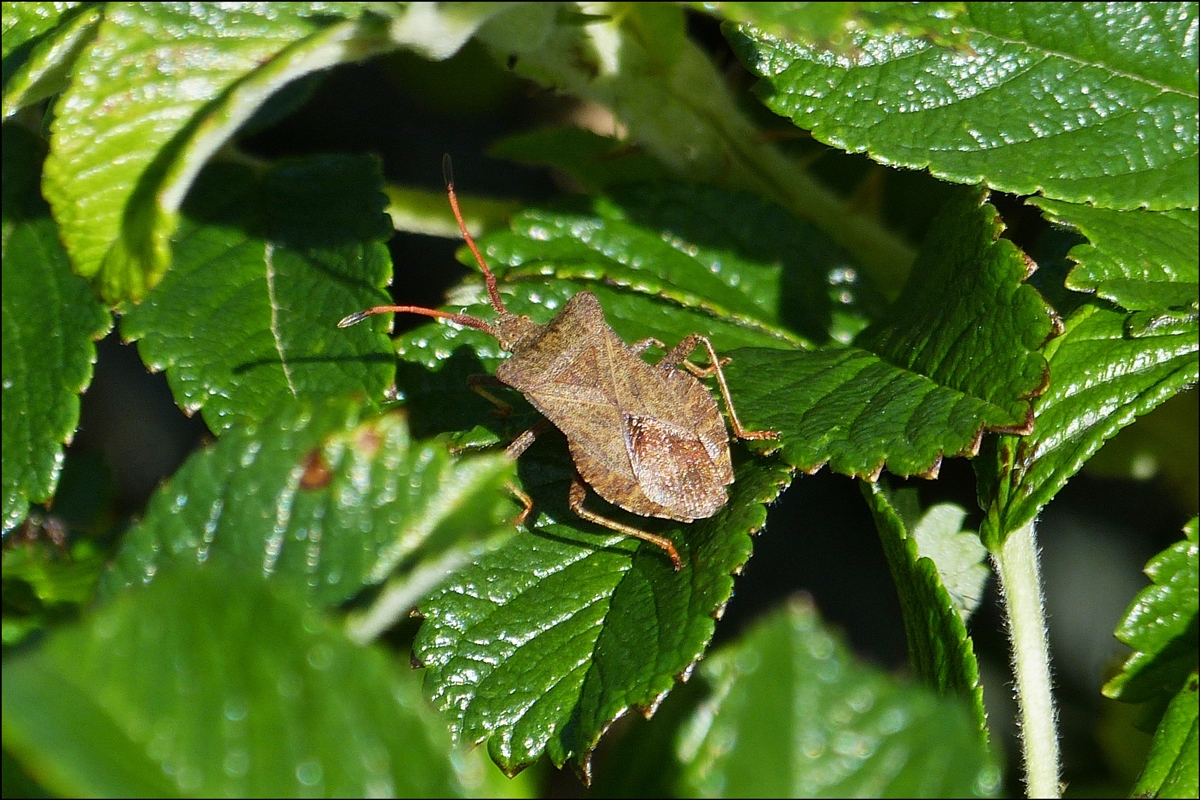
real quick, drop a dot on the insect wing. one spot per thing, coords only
(673, 467)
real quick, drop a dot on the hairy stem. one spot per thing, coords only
(1016, 565)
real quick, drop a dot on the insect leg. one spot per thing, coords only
(642, 345)
(704, 372)
(526, 501)
(678, 356)
(519, 446)
(575, 498)
(521, 443)
(476, 383)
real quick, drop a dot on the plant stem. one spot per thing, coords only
(1019, 574)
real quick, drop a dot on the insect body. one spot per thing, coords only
(647, 438)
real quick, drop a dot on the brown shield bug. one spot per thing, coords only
(648, 438)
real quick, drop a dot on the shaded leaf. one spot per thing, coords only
(597, 162)
(424, 211)
(323, 499)
(1161, 626)
(791, 714)
(1080, 102)
(728, 253)
(153, 95)
(50, 323)
(207, 683)
(939, 577)
(57, 570)
(639, 758)
(541, 644)
(246, 319)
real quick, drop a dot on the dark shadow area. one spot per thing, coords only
(442, 402)
(820, 540)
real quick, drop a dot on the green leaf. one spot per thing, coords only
(598, 162)
(46, 577)
(912, 389)
(210, 683)
(957, 553)
(423, 211)
(855, 412)
(1102, 378)
(41, 43)
(1172, 765)
(632, 315)
(729, 253)
(717, 245)
(540, 645)
(966, 273)
(50, 323)
(1085, 103)
(156, 92)
(677, 106)
(55, 573)
(681, 259)
(263, 266)
(939, 577)
(323, 499)
(1137, 259)
(791, 714)
(833, 23)
(1161, 626)
(24, 23)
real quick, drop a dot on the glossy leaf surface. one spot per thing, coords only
(1081, 102)
(540, 645)
(50, 323)
(155, 92)
(324, 499)
(1160, 625)
(264, 264)
(1102, 379)
(926, 379)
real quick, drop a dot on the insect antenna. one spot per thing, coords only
(492, 289)
(462, 319)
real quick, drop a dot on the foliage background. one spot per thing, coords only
(819, 537)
